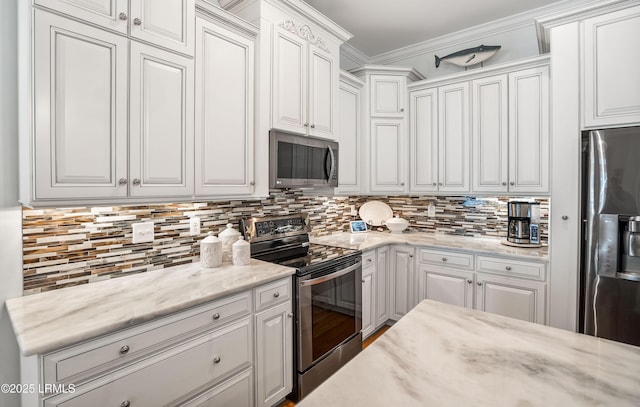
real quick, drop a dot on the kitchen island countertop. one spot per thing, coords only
(478, 245)
(443, 355)
(54, 319)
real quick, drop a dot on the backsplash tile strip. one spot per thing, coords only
(69, 246)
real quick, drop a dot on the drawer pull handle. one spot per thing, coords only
(508, 268)
(276, 294)
(216, 360)
(216, 316)
(125, 403)
(124, 350)
(444, 259)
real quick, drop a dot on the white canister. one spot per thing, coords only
(228, 236)
(241, 253)
(210, 251)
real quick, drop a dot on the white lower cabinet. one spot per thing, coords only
(375, 291)
(515, 298)
(236, 351)
(450, 286)
(382, 287)
(403, 287)
(368, 300)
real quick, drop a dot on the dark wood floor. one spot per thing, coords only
(365, 343)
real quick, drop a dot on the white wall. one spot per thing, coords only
(10, 210)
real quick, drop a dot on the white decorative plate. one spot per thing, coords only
(374, 213)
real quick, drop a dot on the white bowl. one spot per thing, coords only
(396, 225)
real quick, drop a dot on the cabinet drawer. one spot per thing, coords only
(446, 259)
(369, 259)
(237, 392)
(272, 293)
(514, 268)
(75, 364)
(201, 362)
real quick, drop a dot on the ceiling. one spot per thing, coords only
(379, 26)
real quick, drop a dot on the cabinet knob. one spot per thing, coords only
(411, 255)
(137, 21)
(123, 16)
(512, 183)
(401, 110)
(216, 360)
(479, 282)
(402, 184)
(313, 126)
(508, 268)
(252, 183)
(216, 316)
(444, 259)
(122, 181)
(136, 181)
(434, 184)
(306, 125)
(565, 217)
(440, 183)
(124, 350)
(363, 281)
(125, 403)
(369, 260)
(276, 294)
(504, 183)
(470, 281)
(290, 315)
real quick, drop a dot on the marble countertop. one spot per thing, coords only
(439, 354)
(483, 245)
(51, 320)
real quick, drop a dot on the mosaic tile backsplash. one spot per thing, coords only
(71, 246)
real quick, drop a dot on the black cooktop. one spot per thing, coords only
(317, 254)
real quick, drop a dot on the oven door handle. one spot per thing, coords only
(319, 280)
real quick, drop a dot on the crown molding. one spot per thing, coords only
(545, 23)
(221, 16)
(411, 73)
(352, 53)
(350, 79)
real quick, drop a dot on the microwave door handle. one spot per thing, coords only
(333, 163)
(331, 276)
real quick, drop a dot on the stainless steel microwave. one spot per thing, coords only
(299, 161)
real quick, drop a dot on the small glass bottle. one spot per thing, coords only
(210, 251)
(241, 253)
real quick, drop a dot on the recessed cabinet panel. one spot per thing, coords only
(368, 304)
(348, 136)
(224, 117)
(321, 85)
(424, 140)
(168, 23)
(290, 93)
(490, 134)
(511, 298)
(161, 122)
(529, 130)
(403, 282)
(386, 96)
(80, 110)
(105, 13)
(387, 152)
(453, 129)
(449, 286)
(611, 79)
(382, 286)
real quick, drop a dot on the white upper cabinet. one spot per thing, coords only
(387, 160)
(529, 130)
(167, 23)
(388, 96)
(490, 134)
(453, 138)
(80, 111)
(423, 144)
(349, 134)
(224, 125)
(160, 122)
(611, 81)
(305, 83)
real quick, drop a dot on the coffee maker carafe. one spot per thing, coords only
(523, 223)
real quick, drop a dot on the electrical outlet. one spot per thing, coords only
(353, 210)
(143, 232)
(194, 226)
(431, 210)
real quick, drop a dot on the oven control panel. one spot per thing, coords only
(257, 229)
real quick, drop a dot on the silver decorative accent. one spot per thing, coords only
(304, 31)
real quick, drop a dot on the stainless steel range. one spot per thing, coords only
(328, 295)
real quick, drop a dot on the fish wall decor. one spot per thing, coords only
(470, 56)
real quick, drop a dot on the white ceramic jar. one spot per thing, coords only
(210, 251)
(228, 236)
(241, 253)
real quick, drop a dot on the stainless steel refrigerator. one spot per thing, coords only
(610, 263)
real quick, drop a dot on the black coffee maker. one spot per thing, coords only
(524, 220)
